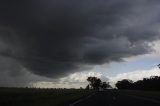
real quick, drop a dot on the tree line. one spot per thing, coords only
(152, 83)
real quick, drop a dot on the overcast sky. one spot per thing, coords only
(51, 42)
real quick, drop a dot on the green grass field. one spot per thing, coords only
(146, 94)
(40, 97)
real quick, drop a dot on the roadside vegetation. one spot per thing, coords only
(40, 97)
(147, 88)
(146, 94)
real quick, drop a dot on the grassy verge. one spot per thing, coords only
(40, 97)
(146, 94)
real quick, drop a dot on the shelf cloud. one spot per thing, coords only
(53, 38)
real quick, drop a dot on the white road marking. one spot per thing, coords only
(82, 99)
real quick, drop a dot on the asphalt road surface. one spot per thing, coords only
(114, 98)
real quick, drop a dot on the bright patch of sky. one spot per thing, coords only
(142, 62)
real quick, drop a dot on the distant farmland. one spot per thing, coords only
(39, 97)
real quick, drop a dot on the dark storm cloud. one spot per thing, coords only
(55, 37)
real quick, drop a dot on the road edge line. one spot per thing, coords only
(80, 100)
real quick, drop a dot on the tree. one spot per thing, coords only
(95, 82)
(158, 66)
(124, 84)
(105, 85)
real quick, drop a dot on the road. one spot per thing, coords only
(114, 98)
